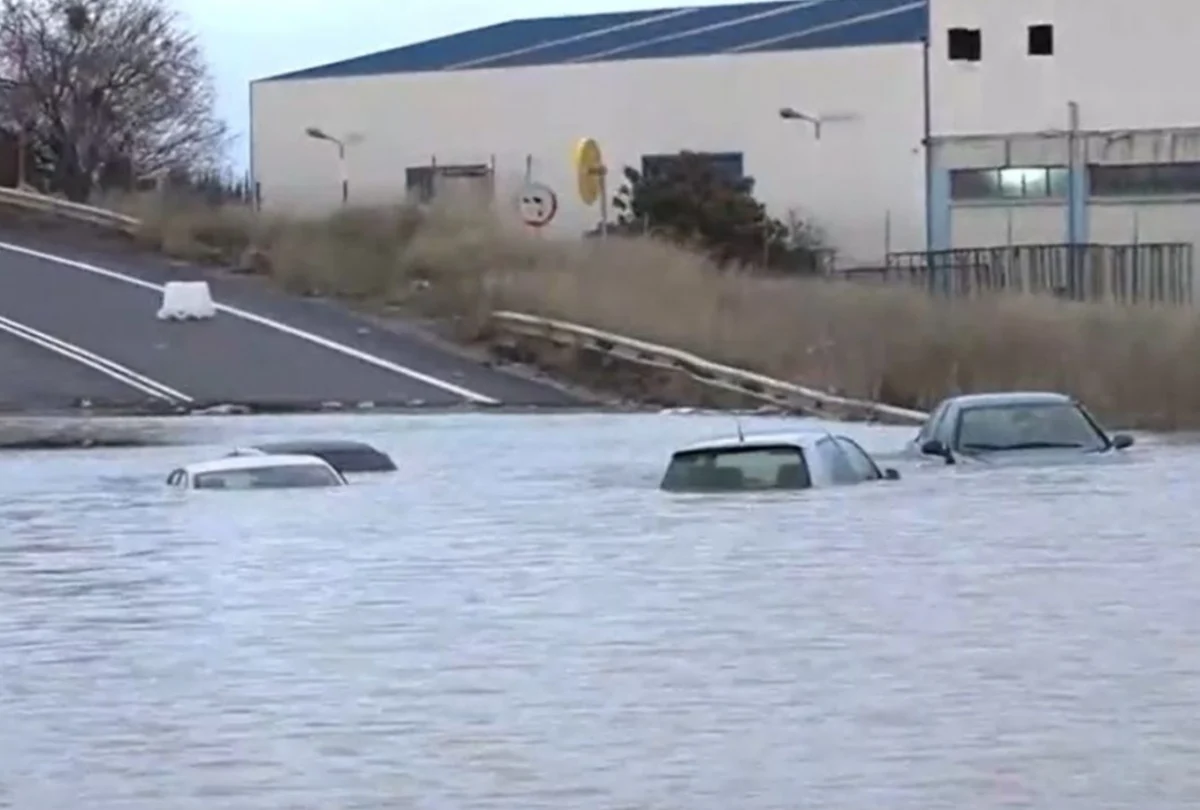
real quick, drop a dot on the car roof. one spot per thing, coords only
(1011, 398)
(315, 446)
(795, 438)
(232, 463)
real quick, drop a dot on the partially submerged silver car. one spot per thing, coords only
(775, 461)
(259, 471)
(1024, 426)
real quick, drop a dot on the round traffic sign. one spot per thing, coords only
(589, 170)
(538, 204)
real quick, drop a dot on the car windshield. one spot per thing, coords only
(1027, 426)
(283, 477)
(735, 469)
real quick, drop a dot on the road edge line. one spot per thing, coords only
(108, 368)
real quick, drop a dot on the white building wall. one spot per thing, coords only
(1129, 65)
(1131, 69)
(863, 181)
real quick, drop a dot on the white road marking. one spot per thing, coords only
(93, 361)
(278, 326)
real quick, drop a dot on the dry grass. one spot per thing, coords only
(1135, 366)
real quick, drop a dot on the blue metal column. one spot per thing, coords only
(1077, 204)
(938, 206)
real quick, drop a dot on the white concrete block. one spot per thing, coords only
(186, 300)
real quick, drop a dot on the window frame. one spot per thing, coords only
(1120, 181)
(836, 462)
(987, 185)
(734, 450)
(1039, 39)
(964, 44)
(851, 448)
(1101, 434)
(730, 164)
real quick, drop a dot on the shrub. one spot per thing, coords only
(689, 200)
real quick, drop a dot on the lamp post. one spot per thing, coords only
(792, 114)
(320, 135)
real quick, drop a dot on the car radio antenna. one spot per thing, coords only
(741, 436)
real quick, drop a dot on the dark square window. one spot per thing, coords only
(965, 45)
(1041, 40)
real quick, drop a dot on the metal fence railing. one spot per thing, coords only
(1160, 273)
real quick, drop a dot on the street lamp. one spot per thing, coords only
(791, 114)
(320, 135)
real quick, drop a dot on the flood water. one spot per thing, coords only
(518, 620)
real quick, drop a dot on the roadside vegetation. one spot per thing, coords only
(1134, 365)
(692, 261)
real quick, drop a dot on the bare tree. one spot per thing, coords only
(104, 86)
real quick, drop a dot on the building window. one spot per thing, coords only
(418, 182)
(965, 44)
(422, 182)
(1009, 183)
(729, 164)
(1145, 180)
(1041, 40)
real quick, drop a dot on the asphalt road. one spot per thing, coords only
(33, 378)
(227, 359)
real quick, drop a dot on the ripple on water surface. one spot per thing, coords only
(518, 619)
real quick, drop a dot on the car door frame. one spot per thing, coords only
(876, 472)
(928, 430)
(830, 462)
(946, 431)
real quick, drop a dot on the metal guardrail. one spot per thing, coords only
(715, 375)
(68, 210)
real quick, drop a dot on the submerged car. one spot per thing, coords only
(257, 472)
(779, 461)
(343, 455)
(1012, 426)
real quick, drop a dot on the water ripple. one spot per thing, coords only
(518, 620)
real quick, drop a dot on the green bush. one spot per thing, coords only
(688, 200)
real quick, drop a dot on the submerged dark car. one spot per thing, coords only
(1015, 426)
(343, 455)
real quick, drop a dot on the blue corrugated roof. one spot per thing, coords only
(742, 28)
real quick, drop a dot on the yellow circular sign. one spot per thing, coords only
(589, 167)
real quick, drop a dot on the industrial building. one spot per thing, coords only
(1047, 121)
(1064, 121)
(493, 107)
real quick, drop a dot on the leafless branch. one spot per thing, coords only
(99, 82)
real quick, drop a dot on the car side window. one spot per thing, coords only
(929, 429)
(943, 431)
(175, 478)
(863, 464)
(841, 471)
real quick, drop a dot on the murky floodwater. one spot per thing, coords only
(519, 620)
